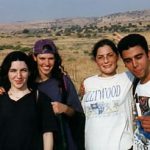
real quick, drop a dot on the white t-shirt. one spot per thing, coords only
(107, 104)
(142, 95)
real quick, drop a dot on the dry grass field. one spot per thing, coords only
(74, 51)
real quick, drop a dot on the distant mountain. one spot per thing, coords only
(112, 19)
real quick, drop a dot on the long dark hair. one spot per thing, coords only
(6, 64)
(57, 71)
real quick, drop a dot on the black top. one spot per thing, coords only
(22, 122)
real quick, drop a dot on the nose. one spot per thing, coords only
(19, 74)
(46, 61)
(134, 63)
(105, 59)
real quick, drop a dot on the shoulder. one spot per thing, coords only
(66, 77)
(90, 79)
(127, 75)
(90, 82)
(4, 95)
(67, 80)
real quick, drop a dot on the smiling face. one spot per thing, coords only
(106, 60)
(138, 62)
(18, 75)
(45, 63)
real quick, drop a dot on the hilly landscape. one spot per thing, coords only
(74, 37)
(133, 17)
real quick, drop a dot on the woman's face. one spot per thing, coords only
(106, 60)
(18, 75)
(45, 63)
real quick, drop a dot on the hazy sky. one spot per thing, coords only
(32, 10)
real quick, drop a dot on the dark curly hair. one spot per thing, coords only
(102, 43)
(6, 64)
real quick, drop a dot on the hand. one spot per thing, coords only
(117, 36)
(59, 108)
(2, 90)
(145, 121)
(82, 89)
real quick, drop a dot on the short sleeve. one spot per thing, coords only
(47, 117)
(72, 96)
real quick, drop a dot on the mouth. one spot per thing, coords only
(107, 66)
(46, 68)
(137, 72)
(19, 82)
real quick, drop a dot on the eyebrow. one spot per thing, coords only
(133, 56)
(105, 54)
(17, 68)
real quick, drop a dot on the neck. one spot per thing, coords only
(16, 94)
(107, 75)
(42, 78)
(145, 79)
(18, 89)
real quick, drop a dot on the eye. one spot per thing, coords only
(12, 70)
(24, 70)
(110, 55)
(41, 58)
(51, 58)
(127, 61)
(99, 57)
(139, 56)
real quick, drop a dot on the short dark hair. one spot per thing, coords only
(102, 43)
(6, 64)
(132, 40)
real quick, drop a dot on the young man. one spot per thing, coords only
(134, 51)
